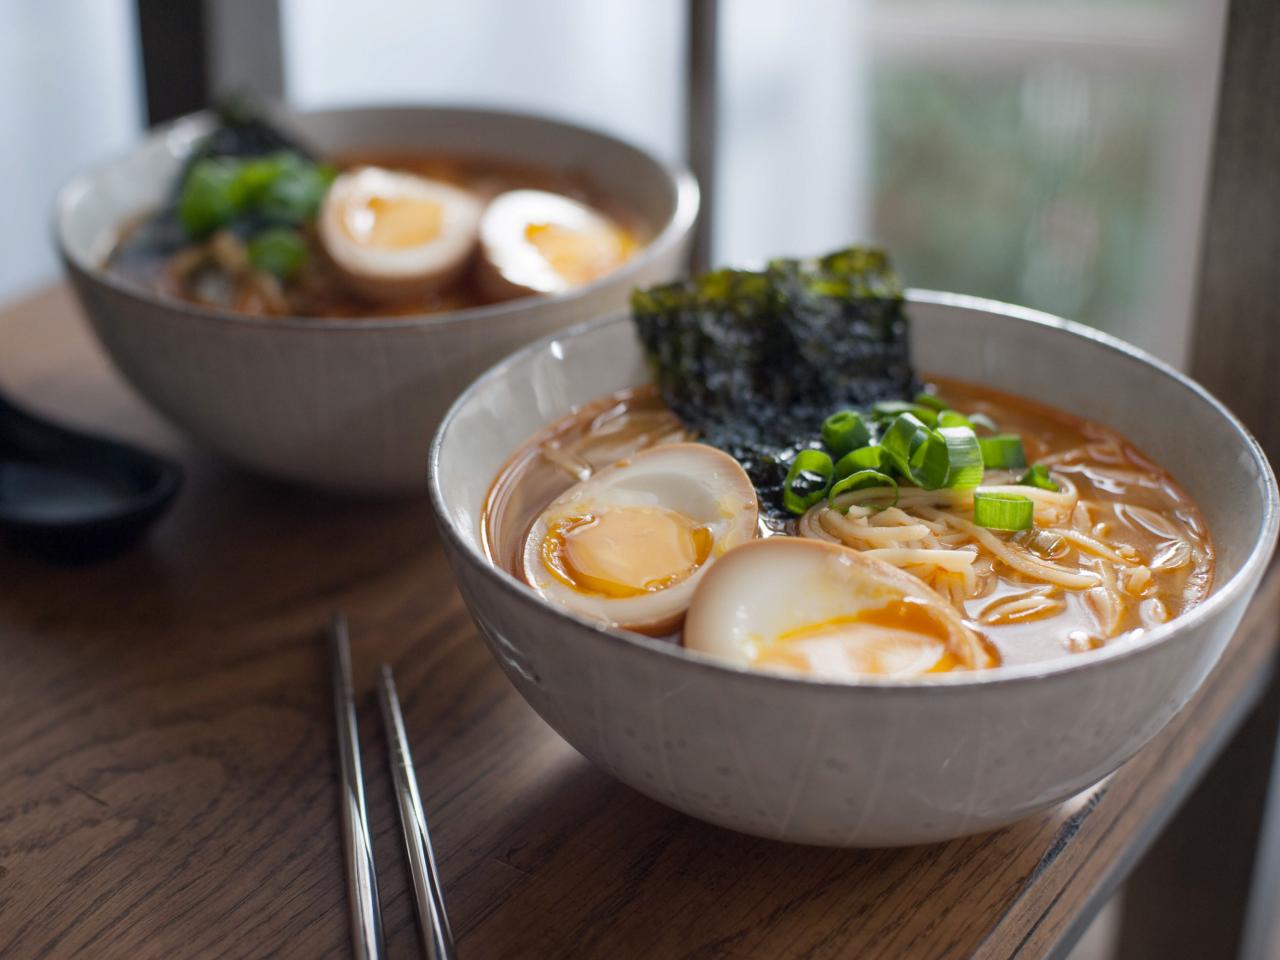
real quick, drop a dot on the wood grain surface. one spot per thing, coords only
(167, 773)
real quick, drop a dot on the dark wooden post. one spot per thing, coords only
(1236, 344)
(701, 118)
(174, 46)
(1206, 887)
(196, 50)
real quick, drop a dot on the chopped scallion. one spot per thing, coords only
(953, 418)
(890, 409)
(947, 457)
(281, 189)
(1002, 452)
(964, 457)
(950, 458)
(977, 420)
(864, 458)
(208, 197)
(807, 481)
(1038, 476)
(845, 432)
(1003, 511)
(294, 195)
(904, 438)
(930, 463)
(279, 251)
(931, 400)
(864, 480)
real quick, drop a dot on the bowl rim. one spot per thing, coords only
(676, 228)
(1219, 599)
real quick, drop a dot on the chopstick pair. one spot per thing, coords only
(362, 874)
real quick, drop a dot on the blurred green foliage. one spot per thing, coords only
(1035, 185)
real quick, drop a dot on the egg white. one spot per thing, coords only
(390, 274)
(702, 484)
(510, 265)
(787, 584)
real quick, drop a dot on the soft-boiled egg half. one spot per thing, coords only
(628, 545)
(532, 241)
(825, 610)
(395, 236)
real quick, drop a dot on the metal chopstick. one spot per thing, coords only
(362, 876)
(437, 938)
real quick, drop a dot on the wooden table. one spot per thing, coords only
(167, 772)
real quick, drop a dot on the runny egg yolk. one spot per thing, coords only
(579, 256)
(392, 223)
(901, 638)
(625, 551)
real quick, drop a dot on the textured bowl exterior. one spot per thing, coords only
(876, 763)
(347, 406)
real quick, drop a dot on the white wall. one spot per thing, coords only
(792, 167)
(615, 65)
(70, 94)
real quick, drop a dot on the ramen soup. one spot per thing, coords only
(1072, 539)
(259, 226)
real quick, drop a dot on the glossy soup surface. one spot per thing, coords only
(1127, 505)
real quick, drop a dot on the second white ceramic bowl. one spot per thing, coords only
(874, 763)
(346, 405)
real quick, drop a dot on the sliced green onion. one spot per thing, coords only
(953, 418)
(845, 432)
(864, 458)
(279, 251)
(931, 400)
(254, 176)
(208, 197)
(929, 464)
(283, 188)
(807, 481)
(964, 457)
(949, 458)
(890, 409)
(864, 480)
(1038, 476)
(1003, 452)
(977, 419)
(293, 196)
(1003, 511)
(902, 441)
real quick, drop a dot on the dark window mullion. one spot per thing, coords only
(173, 41)
(196, 50)
(701, 119)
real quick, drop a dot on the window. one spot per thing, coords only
(1043, 152)
(1047, 152)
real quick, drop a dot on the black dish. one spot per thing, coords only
(73, 497)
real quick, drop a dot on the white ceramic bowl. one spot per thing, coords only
(875, 763)
(345, 405)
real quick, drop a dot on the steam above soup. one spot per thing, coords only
(947, 528)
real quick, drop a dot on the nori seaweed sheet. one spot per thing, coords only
(754, 361)
(240, 131)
